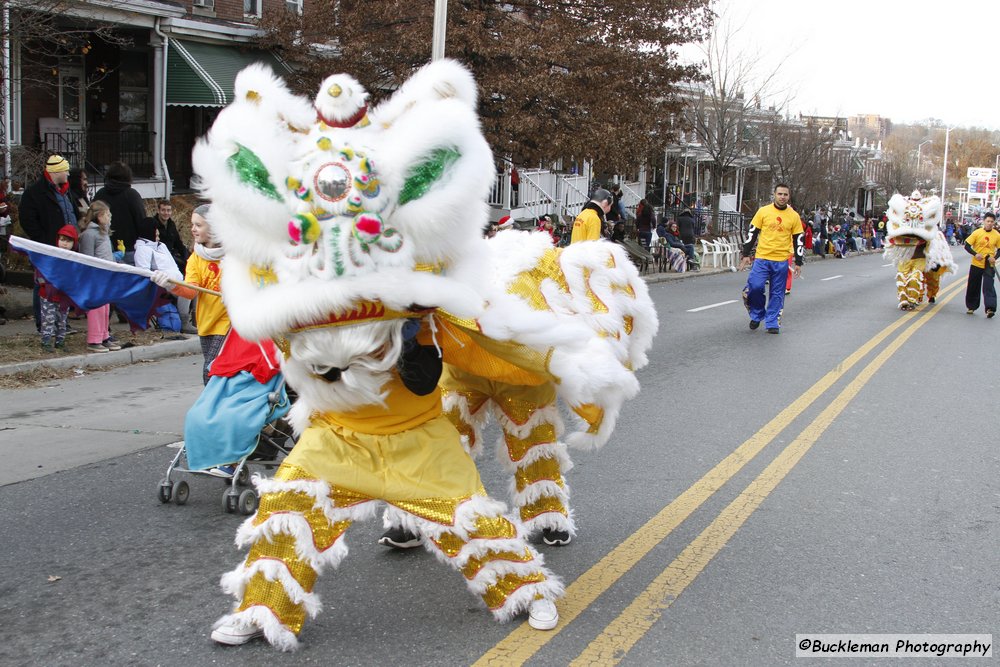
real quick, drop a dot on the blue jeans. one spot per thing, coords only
(764, 270)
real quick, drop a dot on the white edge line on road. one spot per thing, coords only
(831, 278)
(714, 305)
(885, 265)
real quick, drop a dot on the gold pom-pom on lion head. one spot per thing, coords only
(913, 220)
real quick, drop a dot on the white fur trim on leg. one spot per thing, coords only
(277, 635)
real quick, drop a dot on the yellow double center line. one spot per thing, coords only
(611, 646)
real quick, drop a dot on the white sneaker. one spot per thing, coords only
(236, 634)
(543, 615)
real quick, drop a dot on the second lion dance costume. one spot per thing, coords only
(353, 241)
(918, 248)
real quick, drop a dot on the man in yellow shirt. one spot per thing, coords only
(587, 226)
(984, 245)
(776, 231)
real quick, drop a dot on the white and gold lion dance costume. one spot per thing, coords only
(918, 248)
(353, 241)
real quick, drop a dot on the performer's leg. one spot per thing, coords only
(754, 290)
(776, 299)
(533, 452)
(932, 283)
(295, 533)
(496, 560)
(974, 288)
(989, 291)
(909, 284)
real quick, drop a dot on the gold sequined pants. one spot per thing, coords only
(910, 282)
(532, 449)
(298, 530)
(932, 281)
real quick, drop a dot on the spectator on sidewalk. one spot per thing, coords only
(168, 234)
(55, 304)
(126, 206)
(686, 225)
(46, 208)
(78, 193)
(589, 225)
(675, 240)
(617, 210)
(644, 216)
(95, 241)
(775, 233)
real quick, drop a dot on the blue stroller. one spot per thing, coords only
(237, 422)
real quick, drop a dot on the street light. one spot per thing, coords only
(944, 168)
(926, 141)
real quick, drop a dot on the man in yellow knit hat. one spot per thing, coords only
(46, 208)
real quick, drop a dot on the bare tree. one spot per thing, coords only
(47, 31)
(558, 78)
(723, 115)
(799, 156)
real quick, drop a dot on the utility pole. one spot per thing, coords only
(440, 26)
(944, 169)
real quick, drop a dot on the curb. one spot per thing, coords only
(173, 348)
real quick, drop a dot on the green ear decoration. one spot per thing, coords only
(252, 171)
(426, 173)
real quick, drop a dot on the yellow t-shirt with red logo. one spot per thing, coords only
(777, 227)
(213, 320)
(985, 244)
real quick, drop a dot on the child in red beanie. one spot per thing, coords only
(55, 304)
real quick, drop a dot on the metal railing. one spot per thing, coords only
(94, 150)
(728, 222)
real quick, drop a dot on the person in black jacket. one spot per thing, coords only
(127, 209)
(45, 208)
(685, 223)
(169, 235)
(78, 193)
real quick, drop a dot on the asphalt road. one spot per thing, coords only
(837, 478)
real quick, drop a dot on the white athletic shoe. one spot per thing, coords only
(236, 634)
(543, 615)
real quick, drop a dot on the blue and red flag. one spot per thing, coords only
(91, 282)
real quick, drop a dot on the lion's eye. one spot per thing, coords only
(328, 373)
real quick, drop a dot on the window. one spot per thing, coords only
(208, 4)
(294, 6)
(251, 8)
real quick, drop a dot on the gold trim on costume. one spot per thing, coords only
(542, 469)
(281, 547)
(542, 434)
(477, 563)
(542, 506)
(438, 510)
(271, 594)
(527, 284)
(496, 595)
(324, 533)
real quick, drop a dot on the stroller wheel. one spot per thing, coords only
(230, 499)
(248, 502)
(165, 490)
(243, 476)
(182, 492)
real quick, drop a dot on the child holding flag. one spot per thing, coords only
(203, 270)
(54, 304)
(95, 241)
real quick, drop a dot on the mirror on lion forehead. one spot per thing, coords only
(333, 181)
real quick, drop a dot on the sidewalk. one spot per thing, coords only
(19, 334)
(19, 331)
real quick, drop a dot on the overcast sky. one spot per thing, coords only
(907, 61)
